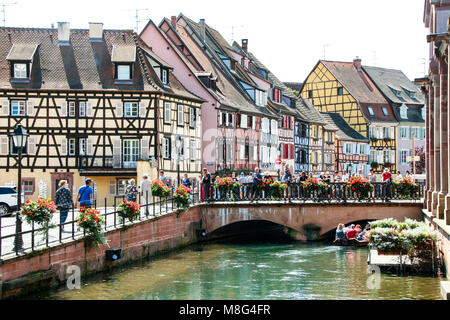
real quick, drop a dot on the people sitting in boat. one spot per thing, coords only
(351, 232)
(340, 234)
(362, 235)
(358, 230)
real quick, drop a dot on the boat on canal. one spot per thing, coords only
(351, 243)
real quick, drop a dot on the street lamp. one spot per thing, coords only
(179, 145)
(19, 137)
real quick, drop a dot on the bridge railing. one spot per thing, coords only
(336, 192)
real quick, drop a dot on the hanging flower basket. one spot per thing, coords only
(312, 184)
(181, 197)
(129, 210)
(90, 221)
(160, 190)
(277, 190)
(406, 188)
(360, 186)
(40, 211)
(223, 184)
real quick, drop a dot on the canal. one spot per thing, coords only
(255, 269)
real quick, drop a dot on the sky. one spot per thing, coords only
(288, 37)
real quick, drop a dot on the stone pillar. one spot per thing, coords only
(437, 144)
(447, 197)
(426, 93)
(443, 72)
(430, 142)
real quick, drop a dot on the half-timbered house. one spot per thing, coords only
(351, 148)
(344, 88)
(91, 100)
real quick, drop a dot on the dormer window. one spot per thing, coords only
(404, 112)
(397, 93)
(385, 111)
(371, 111)
(20, 70)
(123, 72)
(164, 76)
(21, 58)
(124, 57)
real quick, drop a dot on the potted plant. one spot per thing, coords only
(129, 210)
(277, 190)
(181, 197)
(223, 185)
(91, 221)
(406, 188)
(41, 212)
(160, 190)
(312, 185)
(387, 241)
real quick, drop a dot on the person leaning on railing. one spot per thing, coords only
(206, 185)
(287, 178)
(257, 180)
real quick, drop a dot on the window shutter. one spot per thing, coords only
(344, 148)
(117, 153)
(4, 145)
(254, 123)
(112, 187)
(392, 156)
(220, 151)
(31, 146)
(173, 149)
(142, 109)
(220, 118)
(242, 152)
(358, 148)
(30, 108)
(119, 109)
(292, 152)
(90, 146)
(392, 132)
(380, 157)
(244, 121)
(89, 110)
(63, 149)
(255, 153)
(64, 109)
(232, 120)
(145, 148)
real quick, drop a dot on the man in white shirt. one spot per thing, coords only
(345, 177)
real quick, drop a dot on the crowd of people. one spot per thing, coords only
(351, 233)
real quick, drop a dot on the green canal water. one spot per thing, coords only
(262, 271)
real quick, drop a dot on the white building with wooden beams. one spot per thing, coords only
(93, 102)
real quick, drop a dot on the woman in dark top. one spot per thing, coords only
(206, 185)
(131, 191)
(63, 201)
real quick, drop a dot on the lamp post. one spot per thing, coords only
(178, 145)
(19, 137)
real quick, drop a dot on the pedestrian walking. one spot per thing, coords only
(63, 201)
(131, 191)
(85, 195)
(146, 192)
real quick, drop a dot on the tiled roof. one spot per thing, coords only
(297, 86)
(344, 131)
(356, 82)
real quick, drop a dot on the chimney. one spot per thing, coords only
(203, 30)
(245, 45)
(63, 33)
(357, 63)
(173, 20)
(96, 31)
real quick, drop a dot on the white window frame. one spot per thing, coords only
(180, 115)
(404, 133)
(82, 108)
(72, 109)
(164, 76)
(166, 148)
(131, 109)
(244, 121)
(192, 117)
(83, 147)
(167, 112)
(192, 150)
(133, 146)
(123, 72)
(20, 73)
(21, 107)
(71, 147)
(404, 112)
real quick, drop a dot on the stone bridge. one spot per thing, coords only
(307, 221)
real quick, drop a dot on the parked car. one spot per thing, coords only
(8, 200)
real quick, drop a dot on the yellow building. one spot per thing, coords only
(93, 102)
(344, 88)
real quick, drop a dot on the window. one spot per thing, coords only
(385, 111)
(82, 107)
(72, 109)
(260, 98)
(348, 148)
(329, 159)
(363, 148)
(404, 112)
(130, 153)
(410, 94)
(167, 113)
(244, 121)
(230, 120)
(121, 186)
(340, 91)
(404, 154)
(310, 94)
(373, 156)
(18, 108)
(423, 113)
(166, 148)
(371, 111)
(276, 95)
(180, 113)
(404, 133)
(192, 150)
(20, 70)
(304, 132)
(72, 147)
(28, 186)
(164, 76)
(123, 72)
(329, 137)
(82, 147)
(398, 94)
(192, 117)
(131, 109)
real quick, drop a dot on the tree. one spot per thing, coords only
(420, 165)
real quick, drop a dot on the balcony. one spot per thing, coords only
(107, 164)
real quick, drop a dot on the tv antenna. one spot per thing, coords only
(233, 28)
(3, 10)
(137, 17)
